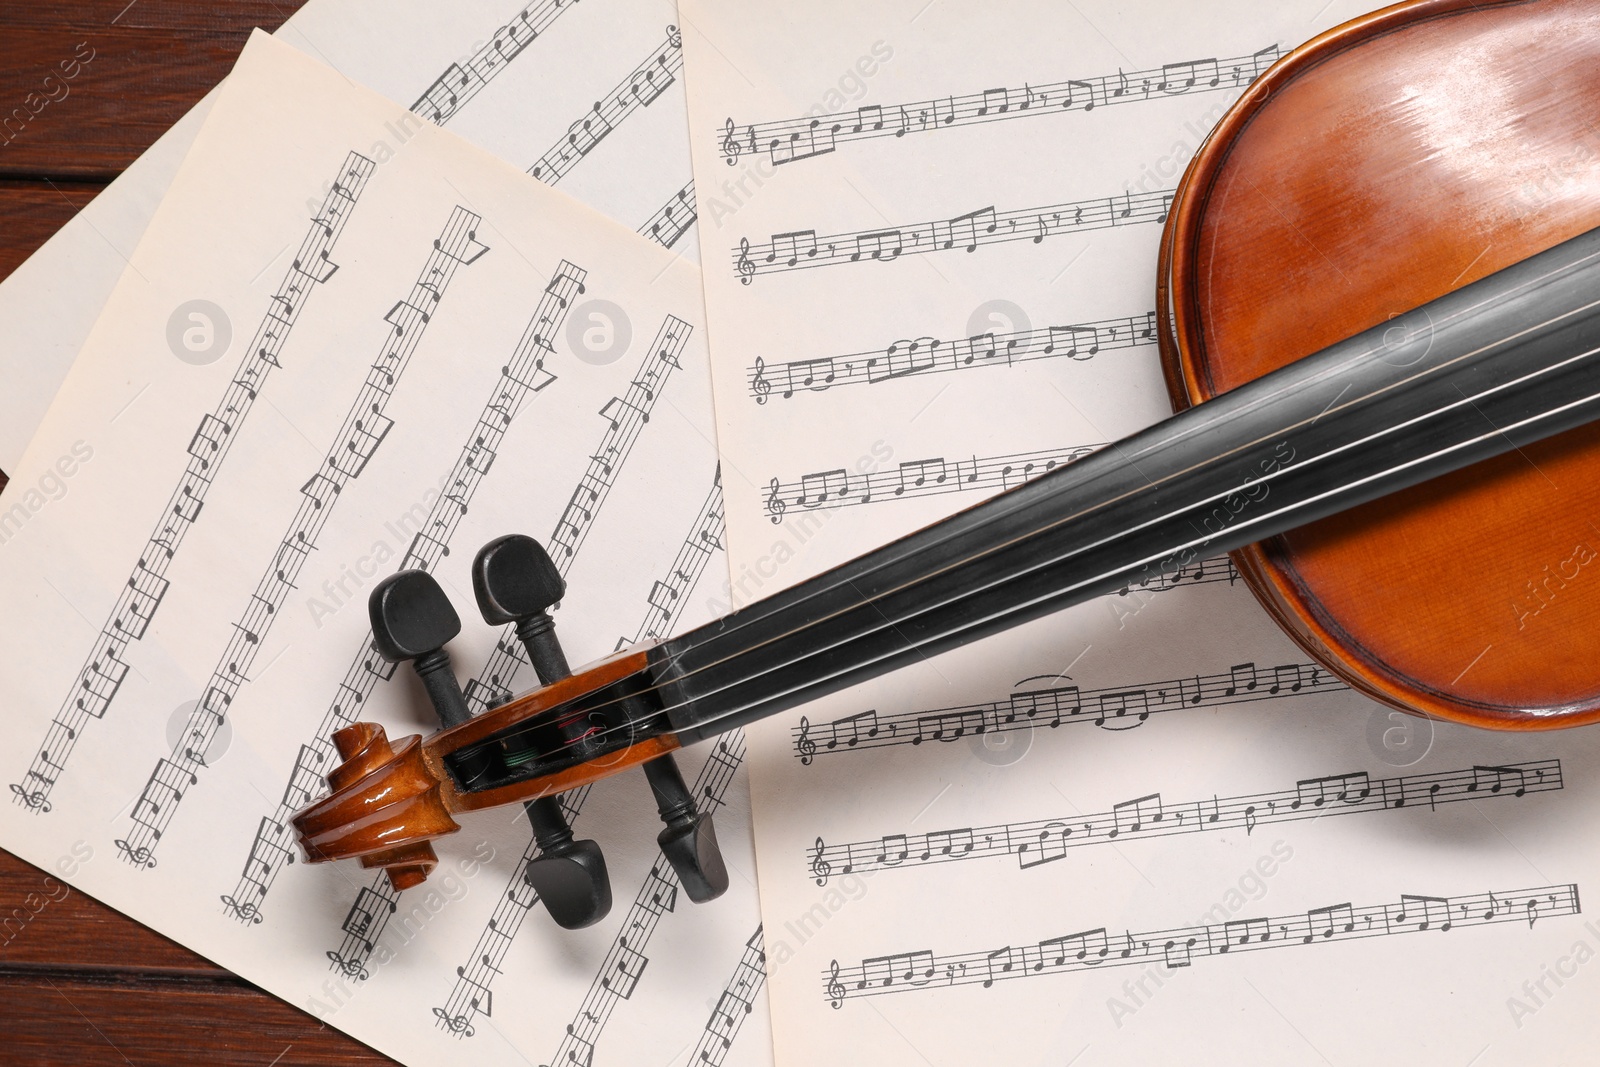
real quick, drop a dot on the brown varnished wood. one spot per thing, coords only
(55, 1019)
(45, 923)
(149, 62)
(31, 213)
(387, 803)
(1387, 162)
(390, 799)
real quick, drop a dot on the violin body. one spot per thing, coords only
(1389, 161)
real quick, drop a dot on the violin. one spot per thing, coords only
(1379, 274)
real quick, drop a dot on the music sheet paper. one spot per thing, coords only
(52, 300)
(186, 619)
(1146, 828)
(525, 77)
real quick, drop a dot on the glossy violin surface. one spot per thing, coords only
(1381, 285)
(1394, 159)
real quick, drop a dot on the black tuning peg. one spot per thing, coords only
(690, 839)
(569, 876)
(515, 581)
(412, 619)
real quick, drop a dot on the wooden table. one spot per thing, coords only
(81, 985)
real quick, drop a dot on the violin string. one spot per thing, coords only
(1260, 520)
(1166, 552)
(821, 585)
(1433, 371)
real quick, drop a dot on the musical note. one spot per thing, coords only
(459, 84)
(1177, 78)
(802, 143)
(667, 599)
(733, 1006)
(1425, 912)
(835, 488)
(1053, 706)
(625, 418)
(674, 219)
(1131, 816)
(965, 230)
(364, 428)
(790, 248)
(1118, 704)
(99, 681)
(640, 88)
(816, 488)
(949, 726)
(1241, 931)
(998, 104)
(625, 960)
(806, 249)
(1181, 947)
(210, 441)
(1497, 778)
(1035, 842)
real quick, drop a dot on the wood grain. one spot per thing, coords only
(1361, 177)
(45, 923)
(83, 985)
(149, 63)
(32, 212)
(66, 1020)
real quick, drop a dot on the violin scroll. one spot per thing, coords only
(391, 799)
(385, 807)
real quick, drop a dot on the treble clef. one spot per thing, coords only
(835, 988)
(730, 144)
(820, 867)
(674, 37)
(139, 855)
(803, 745)
(455, 1024)
(747, 269)
(352, 968)
(759, 385)
(244, 911)
(775, 505)
(34, 799)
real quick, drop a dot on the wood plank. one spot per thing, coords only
(87, 85)
(77, 1021)
(31, 213)
(46, 923)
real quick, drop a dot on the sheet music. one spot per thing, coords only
(406, 380)
(930, 237)
(473, 65)
(586, 95)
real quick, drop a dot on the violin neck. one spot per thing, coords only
(1499, 364)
